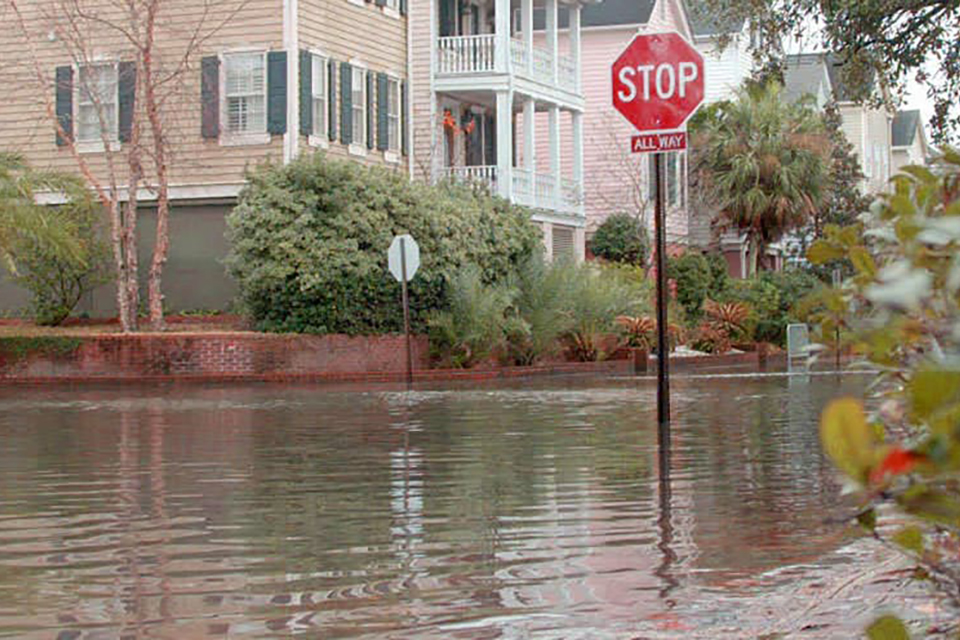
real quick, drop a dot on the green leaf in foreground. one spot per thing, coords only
(887, 628)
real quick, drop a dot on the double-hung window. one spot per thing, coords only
(359, 106)
(245, 88)
(393, 115)
(97, 103)
(319, 96)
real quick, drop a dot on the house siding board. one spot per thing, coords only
(360, 34)
(24, 126)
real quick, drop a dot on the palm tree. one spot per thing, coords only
(21, 218)
(764, 163)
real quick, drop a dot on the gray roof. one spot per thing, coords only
(607, 13)
(905, 126)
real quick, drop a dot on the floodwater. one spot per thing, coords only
(477, 511)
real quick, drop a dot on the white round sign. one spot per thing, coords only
(403, 248)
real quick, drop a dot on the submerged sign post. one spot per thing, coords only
(403, 258)
(657, 86)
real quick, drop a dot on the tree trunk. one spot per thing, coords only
(162, 242)
(117, 236)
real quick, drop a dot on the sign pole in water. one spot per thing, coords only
(657, 85)
(403, 258)
(663, 347)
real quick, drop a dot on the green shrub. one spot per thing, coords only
(309, 244)
(698, 277)
(596, 299)
(775, 299)
(58, 281)
(473, 327)
(540, 311)
(621, 238)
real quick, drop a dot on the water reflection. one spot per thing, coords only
(475, 512)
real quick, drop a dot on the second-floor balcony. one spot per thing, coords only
(481, 54)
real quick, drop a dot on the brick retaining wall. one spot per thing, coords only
(207, 355)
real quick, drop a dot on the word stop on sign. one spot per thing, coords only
(667, 80)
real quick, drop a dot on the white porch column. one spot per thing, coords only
(526, 7)
(554, 137)
(502, 36)
(578, 158)
(529, 136)
(575, 42)
(505, 143)
(552, 41)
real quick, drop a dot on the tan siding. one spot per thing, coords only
(348, 32)
(24, 124)
(423, 110)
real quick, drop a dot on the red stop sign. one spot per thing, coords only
(658, 81)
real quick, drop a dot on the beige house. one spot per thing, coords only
(909, 140)
(266, 79)
(868, 128)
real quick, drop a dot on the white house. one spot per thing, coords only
(909, 140)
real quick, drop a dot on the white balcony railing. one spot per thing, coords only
(460, 55)
(534, 190)
(466, 54)
(481, 175)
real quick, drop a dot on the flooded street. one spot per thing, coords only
(528, 509)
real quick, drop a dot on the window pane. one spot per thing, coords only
(359, 106)
(245, 73)
(246, 114)
(97, 98)
(319, 73)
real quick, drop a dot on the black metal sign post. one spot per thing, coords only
(663, 348)
(406, 307)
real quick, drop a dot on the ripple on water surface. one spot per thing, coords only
(467, 512)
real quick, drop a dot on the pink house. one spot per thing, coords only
(616, 180)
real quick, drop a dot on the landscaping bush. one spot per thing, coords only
(56, 280)
(698, 277)
(774, 298)
(473, 327)
(596, 300)
(621, 238)
(540, 311)
(309, 244)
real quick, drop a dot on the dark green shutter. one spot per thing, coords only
(369, 113)
(381, 3)
(447, 26)
(210, 97)
(404, 143)
(126, 98)
(64, 98)
(277, 92)
(346, 103)
(475, 13)
(403, 7)
(383, 112)
(306, 93)
(490, 139)
(332, 99)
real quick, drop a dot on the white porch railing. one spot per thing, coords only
(523, 187)
(534, 190)
(458, 55)
(483, 175)
(567, 72)
(466, 54)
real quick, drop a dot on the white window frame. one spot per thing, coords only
(392, 153)
(391, 8)
(319, 61)
(358, 146)
(96, 145)
(241, 138)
